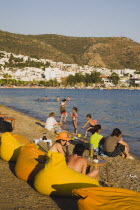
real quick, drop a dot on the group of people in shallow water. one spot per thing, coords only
(110, 146)
(57, 98)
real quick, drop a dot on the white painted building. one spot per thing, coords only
(53, 73)
(123, 72)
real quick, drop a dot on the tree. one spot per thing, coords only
(114, 78)
(95, 77)
(7, 76)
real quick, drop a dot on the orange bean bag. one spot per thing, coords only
(107, 198)
(27, 165)
(11, 145)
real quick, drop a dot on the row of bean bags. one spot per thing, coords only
(27, 165)
(11, 145)
(107, 198)
(57, 179)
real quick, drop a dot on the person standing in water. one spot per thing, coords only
(63, 111)
(74, 117)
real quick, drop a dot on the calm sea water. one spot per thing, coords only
(111, 108)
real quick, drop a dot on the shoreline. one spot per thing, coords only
(68, 88)
(123, 173)
(43, 123)
(38, 121)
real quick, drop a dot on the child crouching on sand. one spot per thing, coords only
(91, 122)
(52, 124)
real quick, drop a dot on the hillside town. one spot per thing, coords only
(29, 69)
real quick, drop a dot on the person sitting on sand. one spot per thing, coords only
(95, 138)
(78, 163)
(61, 141)
(68, 98)
(91, 122)
(114, 145)
(57, 98)
(52, 124)
(74, 117)
(63, 111)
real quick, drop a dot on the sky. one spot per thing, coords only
(80, 18)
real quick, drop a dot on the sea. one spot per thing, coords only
(111, 108)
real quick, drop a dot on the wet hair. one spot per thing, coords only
(95, 129)
(64, 100)
(79, 149)
(52, 114)
(116, 132)
(75, 108)
(88, 115)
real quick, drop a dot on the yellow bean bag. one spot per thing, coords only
(11, 145)
(27, 165)
(57, 179)
(107, 198)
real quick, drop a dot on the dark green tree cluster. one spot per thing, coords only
(13, 82)
(114, 78)
(87, 79)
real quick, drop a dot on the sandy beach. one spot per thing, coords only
(17, 194)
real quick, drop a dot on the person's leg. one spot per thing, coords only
(75, 127)
(93, 173)
(127, 155)
(66, 114)
(86, 133)
(61, 118)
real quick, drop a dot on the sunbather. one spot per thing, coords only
(61, 141)
(78, 163)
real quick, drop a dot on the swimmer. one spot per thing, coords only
(46, 98)
(68, 98)
(38, 99)
(57, 98)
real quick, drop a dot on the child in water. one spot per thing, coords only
(74, 117)
(91, 122)
(63, 111)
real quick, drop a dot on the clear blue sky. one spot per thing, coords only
(84, 18)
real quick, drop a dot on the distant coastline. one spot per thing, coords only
(58, 87)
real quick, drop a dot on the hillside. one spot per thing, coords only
(109, 52)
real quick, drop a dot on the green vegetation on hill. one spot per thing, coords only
(18, 62)
(109, 52)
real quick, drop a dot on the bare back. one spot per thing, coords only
(92, 122)
(77, 163)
